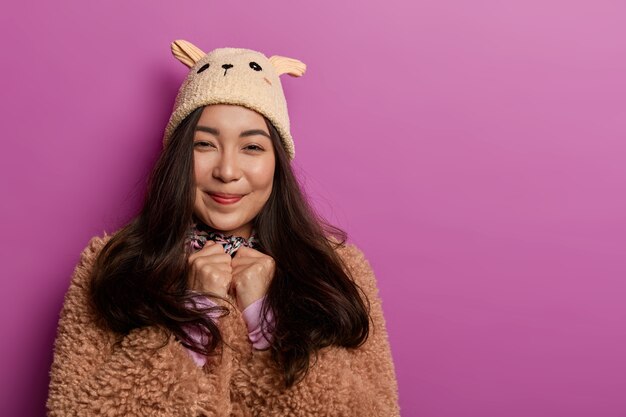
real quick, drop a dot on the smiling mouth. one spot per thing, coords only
(221, 199)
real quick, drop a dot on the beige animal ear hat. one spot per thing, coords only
(234, 76)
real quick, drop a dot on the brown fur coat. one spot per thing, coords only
(92, 376)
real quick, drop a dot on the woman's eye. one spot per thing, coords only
(202, 143)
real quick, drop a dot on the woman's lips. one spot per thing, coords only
(225, 200)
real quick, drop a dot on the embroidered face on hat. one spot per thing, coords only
(234, 76)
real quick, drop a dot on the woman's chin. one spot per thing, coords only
(227, 228)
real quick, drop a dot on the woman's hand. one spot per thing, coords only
(210, 270)
(252, 272)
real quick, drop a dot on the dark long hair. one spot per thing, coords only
(140, 275)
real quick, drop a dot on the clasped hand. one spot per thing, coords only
(244, 277)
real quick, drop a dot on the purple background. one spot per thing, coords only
(474, 150)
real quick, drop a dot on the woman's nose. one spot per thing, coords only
(227, 168)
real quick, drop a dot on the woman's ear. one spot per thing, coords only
(285, 65)
(186, 52)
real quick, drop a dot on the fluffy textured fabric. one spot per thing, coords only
(150, 373)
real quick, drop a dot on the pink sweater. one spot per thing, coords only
(252, 317)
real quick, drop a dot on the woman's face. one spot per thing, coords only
(233, 154)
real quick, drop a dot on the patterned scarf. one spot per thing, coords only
(199, 233)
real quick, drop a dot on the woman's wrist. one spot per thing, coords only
(258, 332)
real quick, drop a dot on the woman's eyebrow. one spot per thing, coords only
(216, 132)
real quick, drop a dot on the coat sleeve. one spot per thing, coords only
(147, 373)
(373, 364)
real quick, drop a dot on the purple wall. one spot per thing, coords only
(474, 150)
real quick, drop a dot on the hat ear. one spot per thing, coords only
(285, 65)
(186, 52)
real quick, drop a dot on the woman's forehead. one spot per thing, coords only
(233, 112)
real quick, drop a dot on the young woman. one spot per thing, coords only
(227, 295)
